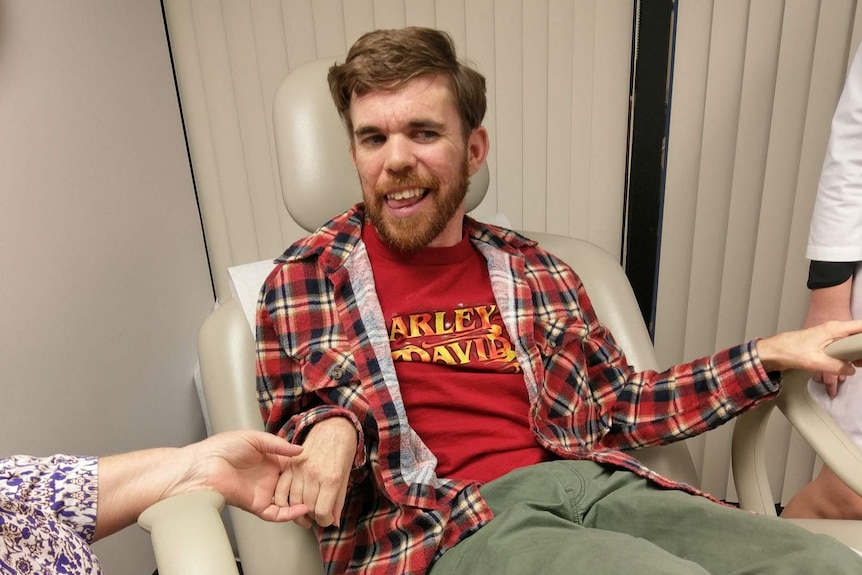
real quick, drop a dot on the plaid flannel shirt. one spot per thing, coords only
(323, 351)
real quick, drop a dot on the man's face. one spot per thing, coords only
(414, 163)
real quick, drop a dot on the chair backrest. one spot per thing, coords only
(319, 181)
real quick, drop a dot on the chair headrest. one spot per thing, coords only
(318, 180)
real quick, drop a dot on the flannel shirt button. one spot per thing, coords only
(336, 372)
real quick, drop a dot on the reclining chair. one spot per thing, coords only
(319, 181)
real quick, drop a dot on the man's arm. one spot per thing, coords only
(627, 408)
(290, 388)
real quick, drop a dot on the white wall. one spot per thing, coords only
(103, 274)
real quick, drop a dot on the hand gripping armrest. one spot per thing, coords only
(188, 535)
(811, 421)
(830, 442)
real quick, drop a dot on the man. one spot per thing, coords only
(460, 407)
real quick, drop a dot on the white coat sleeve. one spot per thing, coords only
(836, 224)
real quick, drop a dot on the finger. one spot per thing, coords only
(829, 378)
(325, 503)
(834, 368)
(269, 443)
(840, 329)
(339, 504)
(319, 511)
(331, 501)
(288, 496)
(295, 494)
(282, 488)
(832, 384)
(292, 514)
(278, 514)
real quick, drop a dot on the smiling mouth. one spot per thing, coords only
(410, 194)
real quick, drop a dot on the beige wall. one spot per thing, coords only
(103, 274)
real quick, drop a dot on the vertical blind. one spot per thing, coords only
(754, 86)
(558, 87)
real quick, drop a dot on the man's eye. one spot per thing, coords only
(373, 140)
(426, 135)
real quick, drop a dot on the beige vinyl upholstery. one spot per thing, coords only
(318, 182)
(813, 423)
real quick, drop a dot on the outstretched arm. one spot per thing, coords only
(244, 466)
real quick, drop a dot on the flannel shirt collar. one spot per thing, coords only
(335, 240)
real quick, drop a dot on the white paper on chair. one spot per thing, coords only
(498, 219)
(245, 282)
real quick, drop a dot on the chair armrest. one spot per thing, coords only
(847, 531)
(812, 422)
(748, 458)
(274, 548)
(188, 535)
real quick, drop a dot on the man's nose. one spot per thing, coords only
(399, 155)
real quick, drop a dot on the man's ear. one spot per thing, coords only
(352, 152)
(478, 144)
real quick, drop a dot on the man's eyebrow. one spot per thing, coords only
(426, 124)
(419, 124)
(365, 130)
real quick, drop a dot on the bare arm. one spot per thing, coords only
(244, 466)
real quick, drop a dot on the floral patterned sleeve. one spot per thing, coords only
(48, 514)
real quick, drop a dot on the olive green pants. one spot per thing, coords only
(567, 517)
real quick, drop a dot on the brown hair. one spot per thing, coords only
(389, 59)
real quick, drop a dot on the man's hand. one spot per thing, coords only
(804, 349)
(318, 477)
(245, 467)
(831, 303)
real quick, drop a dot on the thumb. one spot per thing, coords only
(269, 443)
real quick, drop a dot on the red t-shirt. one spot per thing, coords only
(463, 390)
